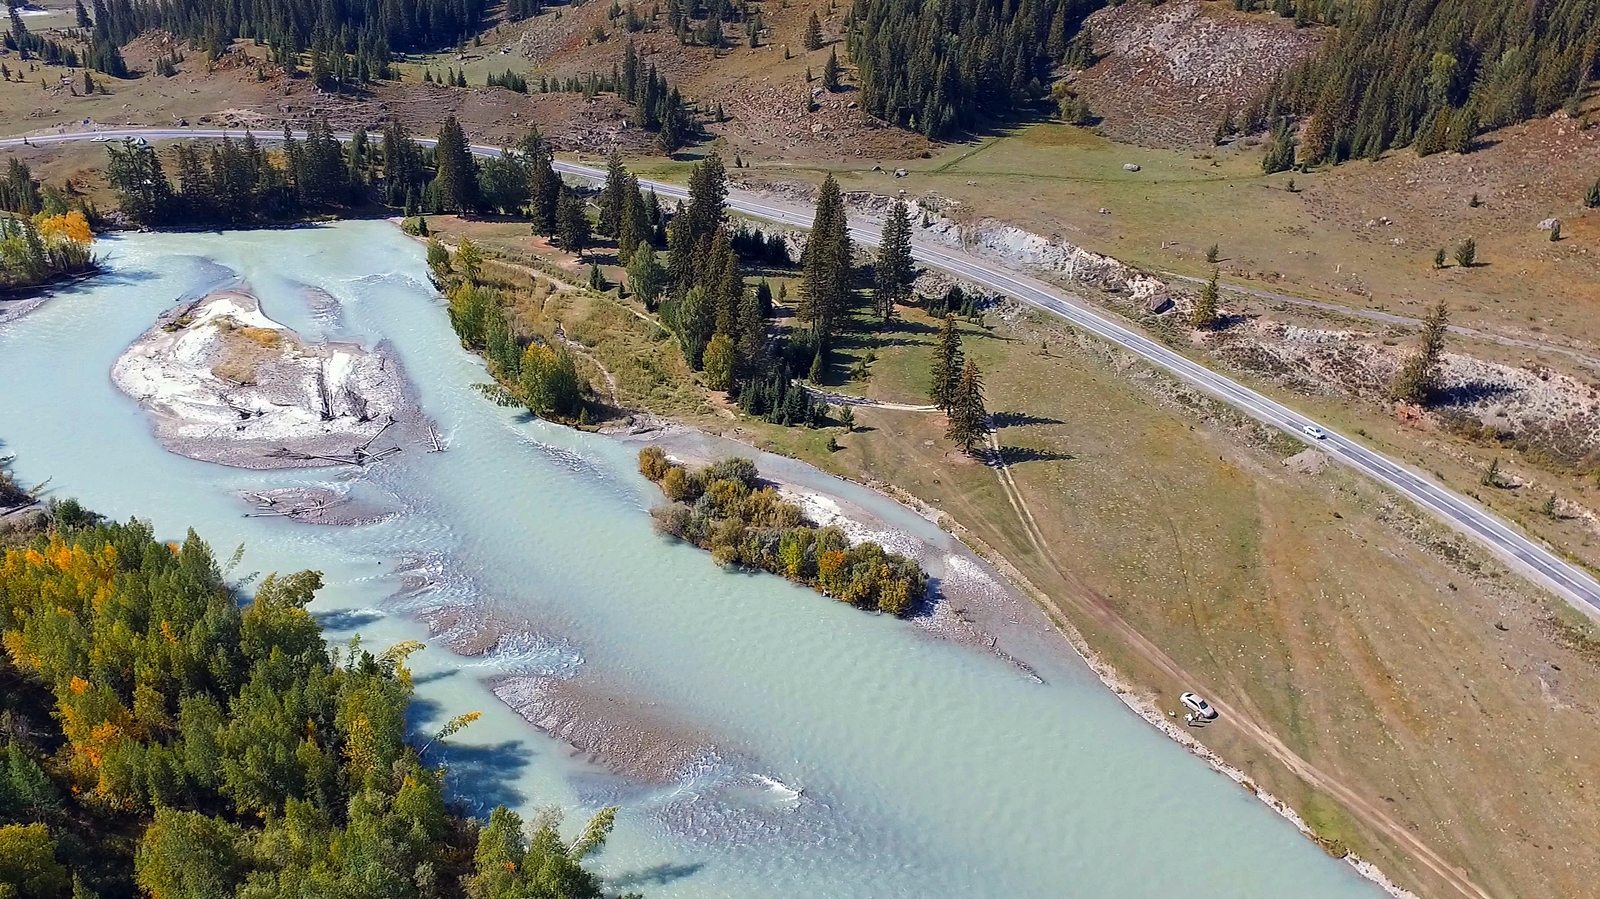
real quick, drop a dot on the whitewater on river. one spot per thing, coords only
(762, 740)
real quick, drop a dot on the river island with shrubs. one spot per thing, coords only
(724, 508)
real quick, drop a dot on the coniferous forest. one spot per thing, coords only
(935, 67)
(161, 739)
(1433, 74)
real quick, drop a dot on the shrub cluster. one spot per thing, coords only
(723, 508)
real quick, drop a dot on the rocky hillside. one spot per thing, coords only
(1168, 74)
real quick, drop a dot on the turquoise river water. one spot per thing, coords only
(857, 757)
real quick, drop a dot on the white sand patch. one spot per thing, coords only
(824, 511)
(225, 383)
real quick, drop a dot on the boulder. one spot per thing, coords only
(1130, 167)
(1549, 224)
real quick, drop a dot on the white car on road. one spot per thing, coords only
(1315, 433)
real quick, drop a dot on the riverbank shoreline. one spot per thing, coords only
(938, 518)
(1136, 697)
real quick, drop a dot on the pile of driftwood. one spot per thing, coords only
(14, 498)
(362, 455)
(268, 506)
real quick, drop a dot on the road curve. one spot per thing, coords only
(1537, 561)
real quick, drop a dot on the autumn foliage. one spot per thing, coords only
(723, 508)
(164, 739)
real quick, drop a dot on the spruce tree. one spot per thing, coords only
(894, 271)
(708, 195)
(968, 420)
(572, 224)
(825, 275)
(945, 371)
(1204, 313)
(812, 40)
(634, 229)
(614, 196)
(1419, 377)
(456, 178)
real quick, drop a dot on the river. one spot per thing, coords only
(846, 754)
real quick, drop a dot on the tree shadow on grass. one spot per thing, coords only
(1016, 455)
(1019, 419)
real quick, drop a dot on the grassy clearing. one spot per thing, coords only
(1358, 634)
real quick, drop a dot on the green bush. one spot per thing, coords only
(722, 508)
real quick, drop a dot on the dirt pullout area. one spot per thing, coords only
(224, 383)
(1169, 73)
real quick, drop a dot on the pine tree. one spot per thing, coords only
(634, 228)
(968, 420)
(708, 195)
(614, 196)
(1467, 253)
(830, 72)
(825, 266)
(894, 272)
(1419, 377)
(812, 40)
(572, 224)
(456, 179)
(944, 374)
(1204, 314)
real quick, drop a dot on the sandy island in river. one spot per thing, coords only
(224, 383)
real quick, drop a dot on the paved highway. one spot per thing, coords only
(1532, 558)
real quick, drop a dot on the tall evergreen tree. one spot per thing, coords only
(456, 172)
(894, 271)
(573, 224)
(1418, 379)
(944, 373)
(825, 265)
(812, 38)
(614, 196)
(968, 420)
